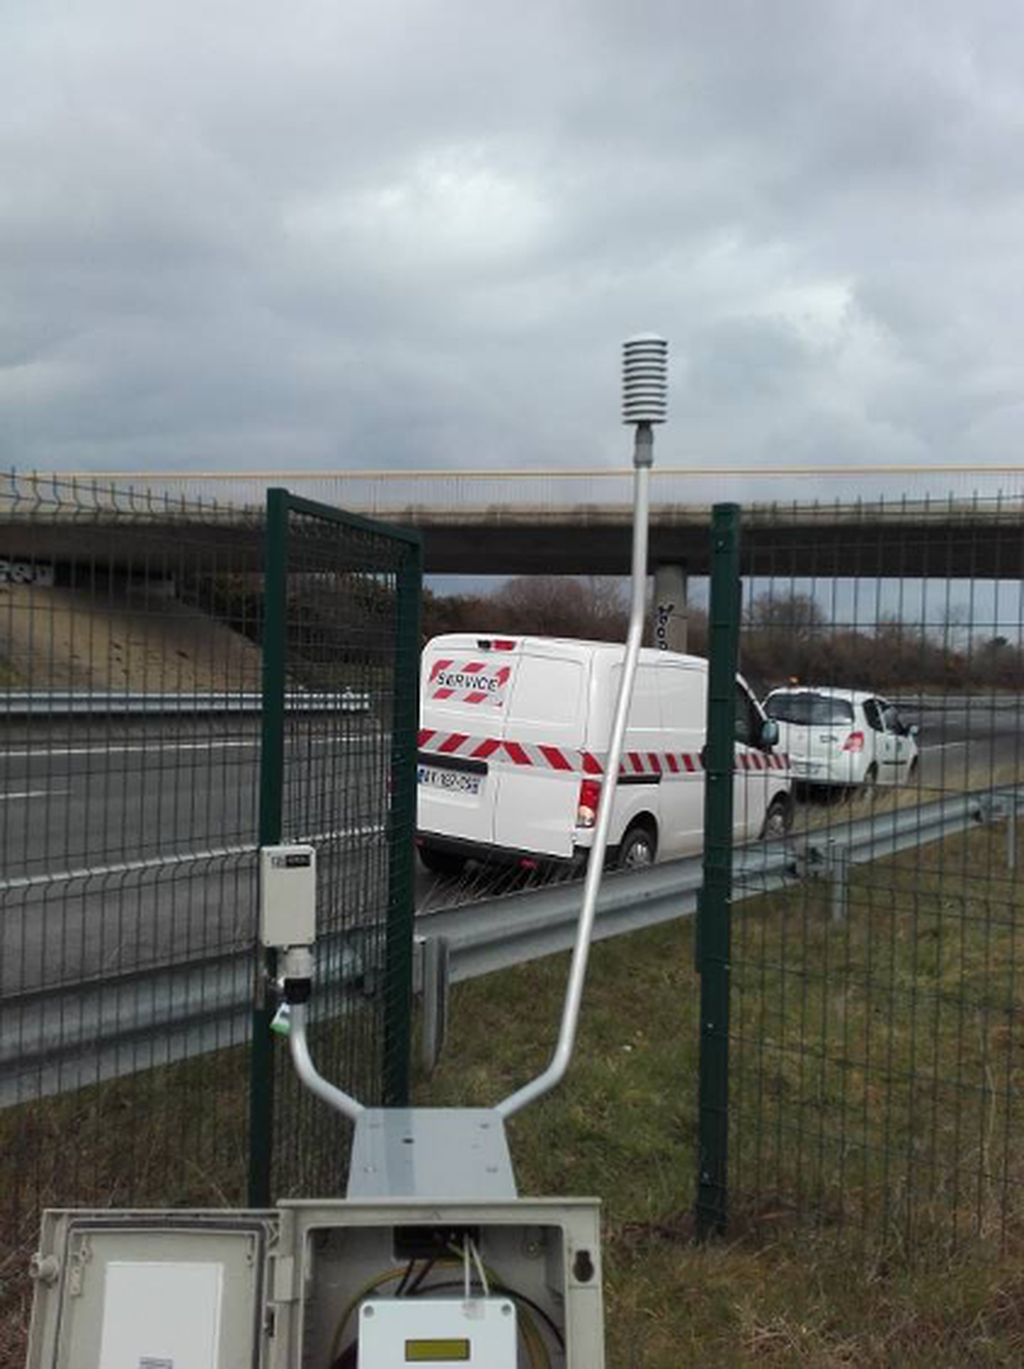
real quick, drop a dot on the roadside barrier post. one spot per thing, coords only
(838, 857)
(436, 984)
(1011, 833)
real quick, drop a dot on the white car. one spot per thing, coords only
(842, 737)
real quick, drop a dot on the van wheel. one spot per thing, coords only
(778, 820)
(442, 862)
(638, 849)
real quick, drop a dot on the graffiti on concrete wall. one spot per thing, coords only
(25, 573)
(662, 614)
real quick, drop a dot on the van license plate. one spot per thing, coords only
(455, 781)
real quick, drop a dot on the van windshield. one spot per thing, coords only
(808, 710)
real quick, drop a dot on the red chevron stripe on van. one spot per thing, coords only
(567, 760)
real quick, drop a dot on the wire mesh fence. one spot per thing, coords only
(873, 1006)
(865, 1044)
(132, 634)
(347, 625)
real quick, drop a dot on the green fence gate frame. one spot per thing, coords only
(280, 507)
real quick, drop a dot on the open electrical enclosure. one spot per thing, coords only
(298, 1285)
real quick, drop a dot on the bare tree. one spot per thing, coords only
(560, 606)
(797, 616)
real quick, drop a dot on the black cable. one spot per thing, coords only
(428, 1266)
(349, 1358)
(508, 1293)
(405, 1279)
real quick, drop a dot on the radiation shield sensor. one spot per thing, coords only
(287, 896)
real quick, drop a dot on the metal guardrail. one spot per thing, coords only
(68, 1038)
(542, 922)
(15, 703)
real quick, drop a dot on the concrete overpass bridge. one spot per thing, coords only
(872, 523)
(839, 521)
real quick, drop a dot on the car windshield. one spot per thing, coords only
(808, 710)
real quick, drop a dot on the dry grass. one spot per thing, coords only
(125, 638)
(909, 1243)
(174, 1134)
(842, 807)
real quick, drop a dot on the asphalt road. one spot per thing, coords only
(120, 847)
(128, 850)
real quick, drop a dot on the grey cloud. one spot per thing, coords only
(414, 233)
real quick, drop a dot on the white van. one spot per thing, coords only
(513, 742)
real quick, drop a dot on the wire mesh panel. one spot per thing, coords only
(132, 673)
(129, 710)
(346, 628)
(876, 1000)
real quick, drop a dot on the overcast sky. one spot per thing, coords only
(399, 233)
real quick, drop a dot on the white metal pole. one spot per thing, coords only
(645, 367)
(314, 1081)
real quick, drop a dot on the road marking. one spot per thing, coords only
(125, 750)
(253, 745)
(945, 746)
(33, 794)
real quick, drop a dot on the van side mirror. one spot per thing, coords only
(769, 734)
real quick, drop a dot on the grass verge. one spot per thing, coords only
(863, 1053)
(877, 1175)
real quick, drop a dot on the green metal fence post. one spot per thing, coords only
(275, 594)
(401, 830)
(713, 932)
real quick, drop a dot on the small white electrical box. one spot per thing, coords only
(287, 895)
(445, 1332)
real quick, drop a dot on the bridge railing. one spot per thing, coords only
(383, 493)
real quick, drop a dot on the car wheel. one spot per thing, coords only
(445, 863)
(778, 819)
(638, 849)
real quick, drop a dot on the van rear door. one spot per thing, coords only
(537, 786)
(465, 688)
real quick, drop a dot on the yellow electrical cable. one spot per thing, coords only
(367, 1287)
(533, 1342)
(356, 1298)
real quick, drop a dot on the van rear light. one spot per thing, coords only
(495, 644)
(586, 804)
(854, 742)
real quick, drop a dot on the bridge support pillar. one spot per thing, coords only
(670, 618)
